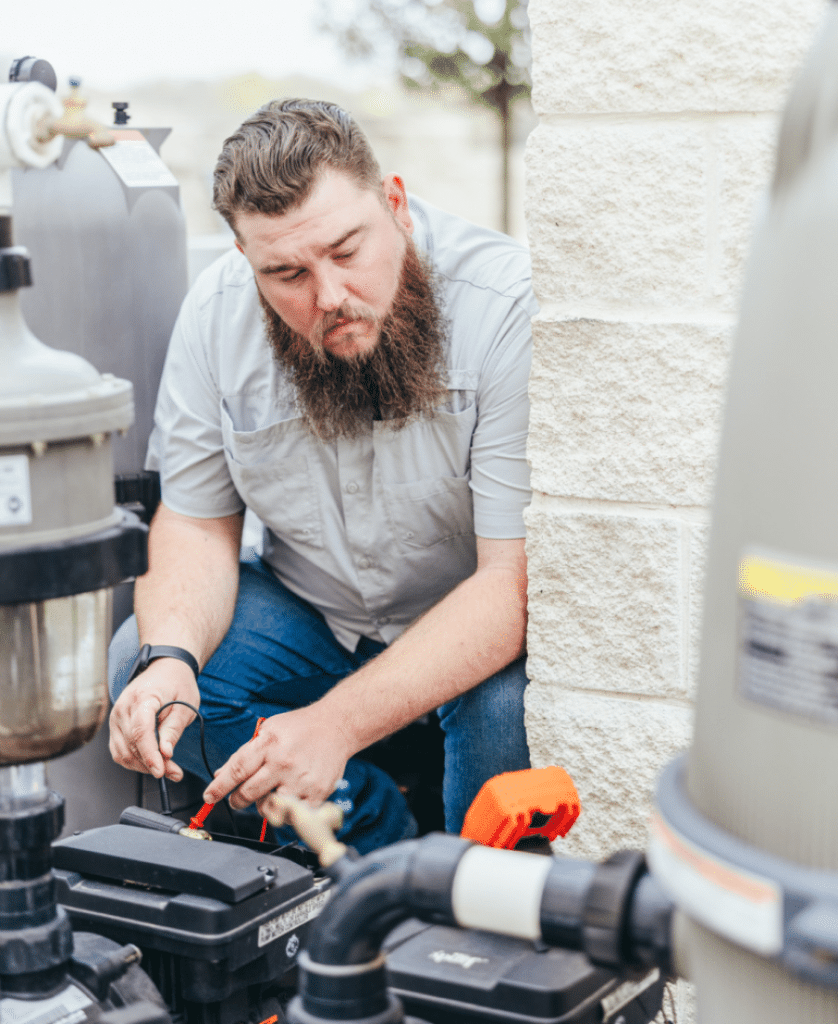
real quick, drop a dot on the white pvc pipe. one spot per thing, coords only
(22, 105)
(500, 891)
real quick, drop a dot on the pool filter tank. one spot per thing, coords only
(746, 832)
(63, 546)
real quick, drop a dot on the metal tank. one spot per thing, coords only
(107, 239)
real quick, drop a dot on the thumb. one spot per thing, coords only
(171, 728)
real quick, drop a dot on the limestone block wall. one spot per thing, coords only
(657, 124)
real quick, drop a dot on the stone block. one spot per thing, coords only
(626, 411)
(613, 750)
(617, 213)
(650, 55)
(745, 153)
(606, 602)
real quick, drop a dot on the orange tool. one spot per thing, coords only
(533, 802)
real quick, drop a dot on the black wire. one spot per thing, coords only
(200, 718)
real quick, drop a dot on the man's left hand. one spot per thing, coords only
(298, 752)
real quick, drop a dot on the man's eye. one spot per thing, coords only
(345, 255)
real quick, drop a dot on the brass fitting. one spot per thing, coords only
(315, 826)
(74, 123)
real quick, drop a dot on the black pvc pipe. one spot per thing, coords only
(410, 879)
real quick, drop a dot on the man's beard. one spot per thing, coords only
(401, 378)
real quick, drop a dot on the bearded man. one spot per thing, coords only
(356, 373)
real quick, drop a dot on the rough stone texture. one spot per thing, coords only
(613, 750)
(654, 55)
(605, 602)
(626, 411)
(745, 163)
(617, 213)
(699, 538)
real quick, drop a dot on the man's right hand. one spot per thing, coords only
(132, 742)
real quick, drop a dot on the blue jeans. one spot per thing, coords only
(279, 654)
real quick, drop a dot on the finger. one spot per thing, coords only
(171, 727)
(141, 736)
(255, 788)
(174, 772)
(244, 763)
(122, 755)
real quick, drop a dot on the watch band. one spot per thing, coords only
(148, 654)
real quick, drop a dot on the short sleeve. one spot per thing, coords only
(500, 475)
(186, 445)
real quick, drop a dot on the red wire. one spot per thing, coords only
(197, 820)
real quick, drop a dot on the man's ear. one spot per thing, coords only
(395, 196)
(239, 246)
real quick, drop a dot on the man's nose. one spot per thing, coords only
(331, 291)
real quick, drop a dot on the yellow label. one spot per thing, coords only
(783, 583)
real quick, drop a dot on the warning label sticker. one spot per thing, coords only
(136, 162)
(788, 657)
(292, 919)
(68, 1007)
(741, 905)
(15, 494)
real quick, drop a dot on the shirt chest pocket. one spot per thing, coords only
(424, 474)
(426, 512)
(271, 468)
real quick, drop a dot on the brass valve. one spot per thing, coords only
(316, 826)
(74, 123)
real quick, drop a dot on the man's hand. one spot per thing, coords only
(132, 743)
(300, 752)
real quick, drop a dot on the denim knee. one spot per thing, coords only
(122, 653)
(484, 736)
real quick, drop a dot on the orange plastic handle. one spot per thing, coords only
(501, 814)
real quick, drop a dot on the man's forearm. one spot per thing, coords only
(475, 631)
(188, 596)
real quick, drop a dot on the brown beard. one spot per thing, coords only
(401, 378)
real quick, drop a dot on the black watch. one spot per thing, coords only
(148, 654)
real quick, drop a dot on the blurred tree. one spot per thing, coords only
(483, 46)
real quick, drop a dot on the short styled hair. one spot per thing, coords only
(271, 163)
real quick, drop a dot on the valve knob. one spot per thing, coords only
(516, 805)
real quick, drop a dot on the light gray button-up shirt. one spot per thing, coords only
(374, 530)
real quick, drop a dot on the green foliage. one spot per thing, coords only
(483, 46)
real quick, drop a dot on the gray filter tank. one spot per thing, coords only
(746, 838)
(107, 239)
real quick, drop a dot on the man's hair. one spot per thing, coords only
(271, 163)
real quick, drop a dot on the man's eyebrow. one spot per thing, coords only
(343, 239)
(279, 268)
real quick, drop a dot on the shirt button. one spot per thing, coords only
(364, 563)
(408, 535)
(351, 487)
(382, 620)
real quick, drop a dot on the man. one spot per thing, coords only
(356, 373)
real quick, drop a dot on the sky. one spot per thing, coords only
(109, 45)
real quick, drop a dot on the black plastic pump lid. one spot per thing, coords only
(33, 69)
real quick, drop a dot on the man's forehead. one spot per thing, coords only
(335, 205)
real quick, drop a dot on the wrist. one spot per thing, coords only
(342, 719)
(150, 653)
